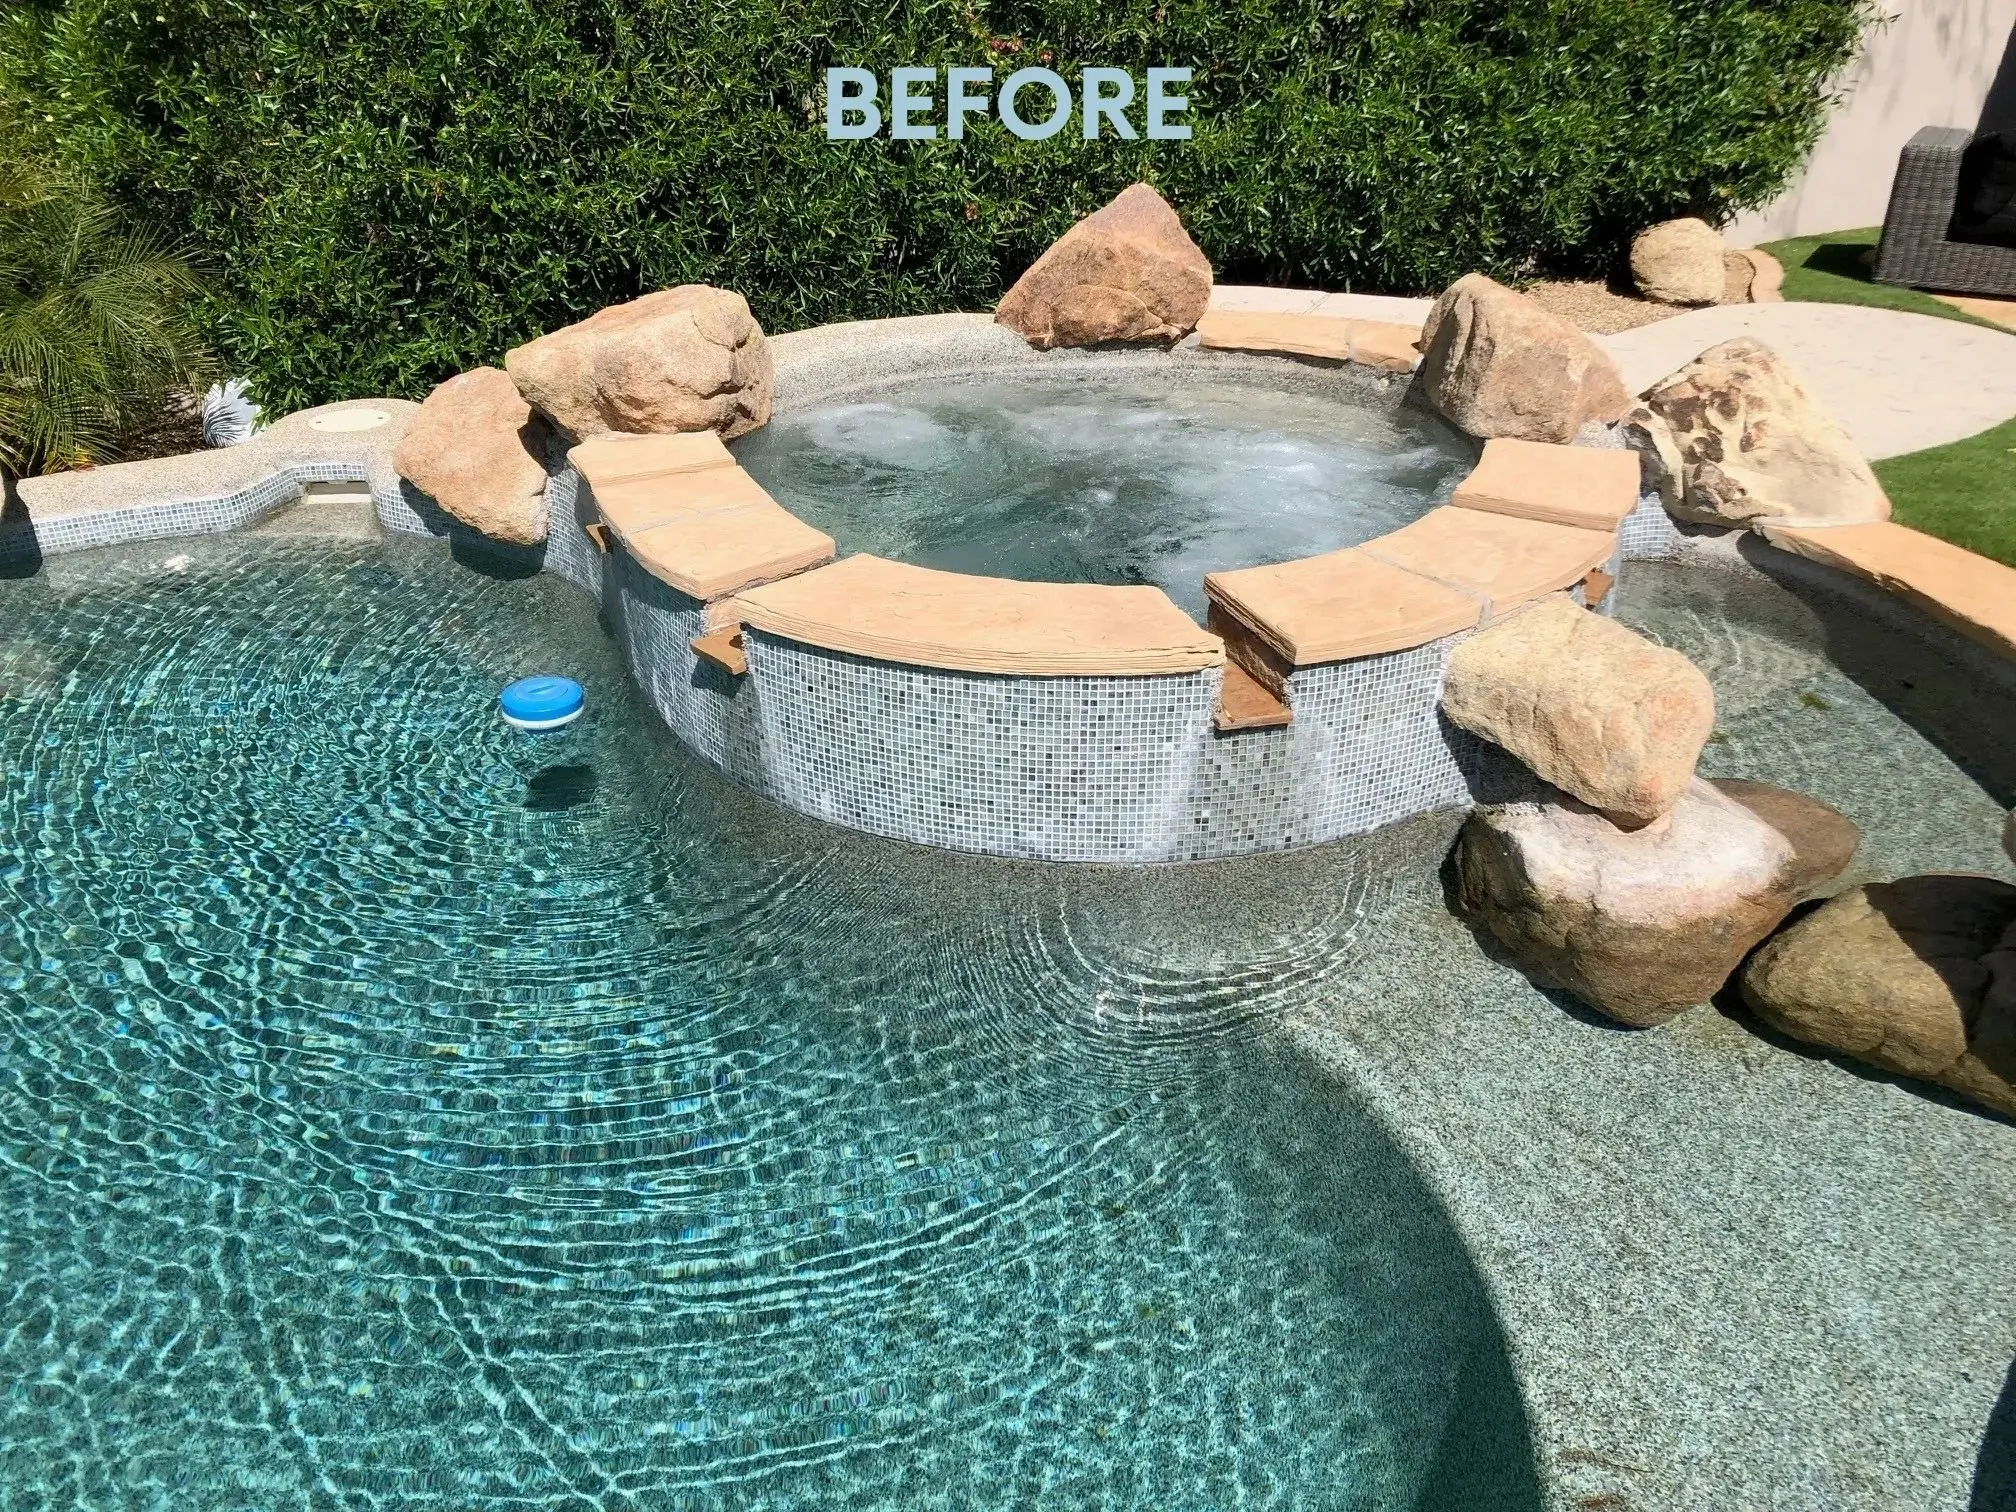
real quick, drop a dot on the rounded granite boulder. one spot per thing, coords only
(1642, 924)
(686, 359)
(1679, 262)
(1916, 976)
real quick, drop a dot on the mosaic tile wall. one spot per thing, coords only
(1647, 531)
(1052, 768)
(1112, 769)
(85, 529)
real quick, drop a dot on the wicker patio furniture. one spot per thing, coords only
(1916, 248)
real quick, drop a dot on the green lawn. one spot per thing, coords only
(1830, 269)
(1964, 493)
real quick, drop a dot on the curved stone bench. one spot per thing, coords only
(891, 611)
(1452, 570)
(691, 517)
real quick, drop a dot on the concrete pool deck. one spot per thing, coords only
(1897, 382)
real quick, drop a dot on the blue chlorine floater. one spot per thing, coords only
(542, 703)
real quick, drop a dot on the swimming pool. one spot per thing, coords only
(396, 1108)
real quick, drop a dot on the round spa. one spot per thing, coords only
(1113, 606)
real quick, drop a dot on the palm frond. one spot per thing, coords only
(94, 325)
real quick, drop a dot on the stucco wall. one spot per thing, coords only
(1934, 64)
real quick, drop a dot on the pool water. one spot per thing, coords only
(1105, 477)
(399, 1110)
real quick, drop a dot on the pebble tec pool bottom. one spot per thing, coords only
(397, 1109)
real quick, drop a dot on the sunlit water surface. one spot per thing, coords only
(398, 1111)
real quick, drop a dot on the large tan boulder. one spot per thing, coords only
(1680, 262)
(1495, 364)
(1128, 272)
(475, 448)
(1916, 976)
(1753, 443)
(685, 359)
(1596, 709)
(1638, 924)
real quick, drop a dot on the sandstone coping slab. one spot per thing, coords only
(1583, 486)
(1969, 593)
(1501, 560)
(692, 517)
(891, 611)
(1393, 309)
(1451, 570)
(1340, 605)
(1337, 338)
(1897, 382)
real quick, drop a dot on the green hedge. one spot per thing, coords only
(390, 190)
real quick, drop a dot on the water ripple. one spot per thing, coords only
(371, 1135)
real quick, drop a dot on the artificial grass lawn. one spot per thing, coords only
(1964, 492)
(1828, 269)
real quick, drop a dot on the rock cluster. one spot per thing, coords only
(686, 359)
(1916, 976)
(476, 448)
(1735, 437)
(1126, 273)
(1680, 262)
(1632, 883)
(1495, 364)
(1643, 924)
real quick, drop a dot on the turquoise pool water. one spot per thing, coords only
(396, 1111)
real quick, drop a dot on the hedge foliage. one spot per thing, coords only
(391, 190)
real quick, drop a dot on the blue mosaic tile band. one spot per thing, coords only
(84, 530)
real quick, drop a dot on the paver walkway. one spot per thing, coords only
(1898, 382)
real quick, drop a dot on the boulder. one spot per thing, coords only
(2009, 836)
(475, 448)
(1754, 444)
(1824, 840)
(1914, 976)
(1495, 364)
(1658, 454)
(1128, 272)
(1638, 924)
(1591, 706)
(1679, 262)
(685, 359)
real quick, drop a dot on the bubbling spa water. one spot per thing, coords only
(1115, 477)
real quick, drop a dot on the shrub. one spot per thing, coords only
(395, 189)
(94, 329)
